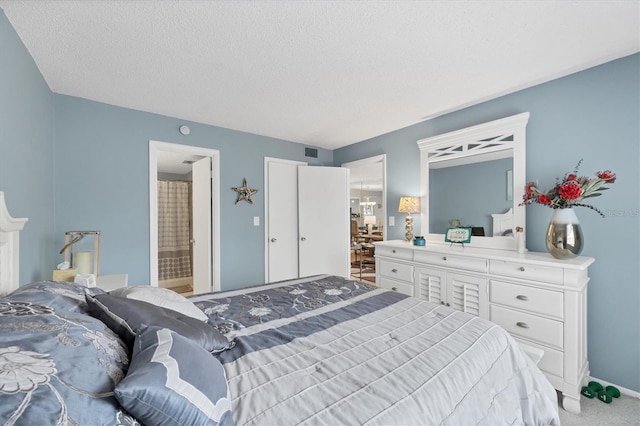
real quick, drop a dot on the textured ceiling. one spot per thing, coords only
(324, 73)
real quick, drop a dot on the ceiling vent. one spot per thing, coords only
(310, 152)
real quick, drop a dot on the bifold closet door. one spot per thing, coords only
(282, 206)
(323, 220)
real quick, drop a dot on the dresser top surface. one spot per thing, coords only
(580, 262)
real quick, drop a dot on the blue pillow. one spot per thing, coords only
(128, 317)
(173, 381)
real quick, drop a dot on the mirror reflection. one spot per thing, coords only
(468, 195)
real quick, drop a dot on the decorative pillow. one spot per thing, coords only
(58, 364)
(64, 295)
(162, 297)
(173, 381)
(128, 317)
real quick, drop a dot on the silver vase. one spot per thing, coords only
(564, 234)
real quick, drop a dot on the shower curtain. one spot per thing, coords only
(174, 229)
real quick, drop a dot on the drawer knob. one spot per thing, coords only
(522, 297)
(394, 288)
(522, 324)
(522, 268)
(444, 258)
(393, 251)
(394, 270)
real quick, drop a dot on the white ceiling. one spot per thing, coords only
(324, 73)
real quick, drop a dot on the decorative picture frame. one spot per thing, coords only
(458, 235)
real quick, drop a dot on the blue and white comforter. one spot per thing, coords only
(58, 365)
(325, 350)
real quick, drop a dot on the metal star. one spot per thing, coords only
(244, 192)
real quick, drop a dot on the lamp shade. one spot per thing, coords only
(369, 220)
(409, 205)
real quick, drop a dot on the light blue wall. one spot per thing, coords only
(26, 152)
(102, 183)
(594, 115)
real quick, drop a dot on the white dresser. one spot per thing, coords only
(540, 300)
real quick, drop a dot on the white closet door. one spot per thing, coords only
(323, 220)
(282, 216)
(202, 207)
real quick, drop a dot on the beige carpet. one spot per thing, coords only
(622, 411)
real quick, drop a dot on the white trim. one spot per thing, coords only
(268, 160)
(509, 134)
(10, 228)
(214, 154)
(372, 160)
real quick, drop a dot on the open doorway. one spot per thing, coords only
(368, 212)
(188, 259)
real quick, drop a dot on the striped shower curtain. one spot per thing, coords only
(174, 220)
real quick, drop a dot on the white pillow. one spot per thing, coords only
(162, 297)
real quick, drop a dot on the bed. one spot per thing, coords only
(318, 350)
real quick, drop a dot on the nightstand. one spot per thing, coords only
(111, 282)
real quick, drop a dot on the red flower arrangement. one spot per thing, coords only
(570, 191)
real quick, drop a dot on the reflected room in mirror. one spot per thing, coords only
(469, 194)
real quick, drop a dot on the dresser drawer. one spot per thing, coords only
(552, 360)
(396, 253)
(526, 271)
(474, 264)
(397, 271)
(400, 287)
(532, 327)
(537, 300)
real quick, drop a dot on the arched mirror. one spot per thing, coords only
(473, 178)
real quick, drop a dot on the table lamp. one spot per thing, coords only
(409, 205)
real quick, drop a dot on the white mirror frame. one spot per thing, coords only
(472, 144)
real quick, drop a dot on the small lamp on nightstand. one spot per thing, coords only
(81, 263)
(409, 205)
(82, 260)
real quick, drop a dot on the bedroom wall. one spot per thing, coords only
(26, 152)
(102, 183)
(594, 115)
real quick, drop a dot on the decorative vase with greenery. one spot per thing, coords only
(564, 234)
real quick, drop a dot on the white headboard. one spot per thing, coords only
(9, 248)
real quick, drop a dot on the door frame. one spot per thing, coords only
(373, 160)
(214, 154)
(268, 160)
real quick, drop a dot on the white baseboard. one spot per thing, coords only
(622, 390)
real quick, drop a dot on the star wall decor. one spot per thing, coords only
(244, 192)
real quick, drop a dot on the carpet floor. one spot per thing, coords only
(622, 411)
